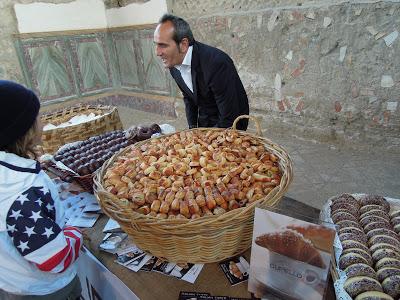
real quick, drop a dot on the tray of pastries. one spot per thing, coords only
(367, 251)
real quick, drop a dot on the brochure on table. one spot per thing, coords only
(290, 257)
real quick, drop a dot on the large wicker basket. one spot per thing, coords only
(203, 240)
(55, 138)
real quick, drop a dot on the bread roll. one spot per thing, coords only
(360, 270)
(360, 284)
(343, 216)
(361, 252)
(377, 246)
(341, 206)
(369, 219)
(373, 295)
(384, 239)
(397, 228)
(377, 200)
(391, 286)
(349, 259)
(386, 272)
(354, 244)
(375, 225)
(347, 198)
(395, 221)
(384, 231)
(366, 208)
(355, 237)
(375, 212)
(353, 230)
(346, 223)
(382, 253)
(387, 262)
(394, 213)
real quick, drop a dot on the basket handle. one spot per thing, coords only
(256, 121)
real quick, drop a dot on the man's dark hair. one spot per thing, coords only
(182, 28)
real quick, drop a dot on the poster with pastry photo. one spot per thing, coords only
(288, 252)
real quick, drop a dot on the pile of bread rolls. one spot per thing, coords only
(369, 233)
(192, 174)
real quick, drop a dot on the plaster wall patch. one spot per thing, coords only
(342, 53)
(387, 81)
(390, 38)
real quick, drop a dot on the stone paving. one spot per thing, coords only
(321, 170)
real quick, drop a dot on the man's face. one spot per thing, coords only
(170, 53)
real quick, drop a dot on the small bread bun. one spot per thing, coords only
(387, 262)
(394, 213)
(369, 219)
(375, 225)
(397, 228)
(377, 200)
(375, 212)
(383, 231)
(346, 223)
(351, 229)
(373, 295)
(395, 221)
(343, 216)
(349, 259)
(354, 244)
(386, 272)
(381, 253)
(377, 246)
(391, 286)
(355, 237)
(341, 206)
(361, 252)
(347, 198)
(384, 239)
(360, 270)
(360, 284)
(366, 208)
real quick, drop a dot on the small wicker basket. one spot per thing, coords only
(203, 240)
(53, 139)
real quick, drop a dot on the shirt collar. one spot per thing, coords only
(187, 60)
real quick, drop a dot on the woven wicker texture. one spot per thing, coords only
(203, 240)
(53, 139)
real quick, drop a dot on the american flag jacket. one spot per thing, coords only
(36, 254)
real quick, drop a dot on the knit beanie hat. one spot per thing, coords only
(18, 112)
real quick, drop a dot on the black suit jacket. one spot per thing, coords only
(218, 94)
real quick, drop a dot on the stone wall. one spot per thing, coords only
(318, 69)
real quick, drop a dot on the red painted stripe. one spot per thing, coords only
(67, 261)
(55, 260)
(77, 242)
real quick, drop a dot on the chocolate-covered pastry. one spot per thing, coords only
(387, 262)
(391, 286)
(383, 231)
(386, 272)
(382, 253)
(369, 207)
(373, 295)
(375, 212)
(349, 259)
(360, 284)
(360, 269)
(377, 200)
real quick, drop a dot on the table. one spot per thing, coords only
(151, 285)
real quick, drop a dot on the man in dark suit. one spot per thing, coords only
(212, 90)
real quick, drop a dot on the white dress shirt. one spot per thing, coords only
(186, 68)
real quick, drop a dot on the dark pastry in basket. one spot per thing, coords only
(360, 269)
(291, 244)
(87, 156)
(375, 200)
(373, 295)
(142, 132)
(391, 286)
(360, 284)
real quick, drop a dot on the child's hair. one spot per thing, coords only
(24, 146)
